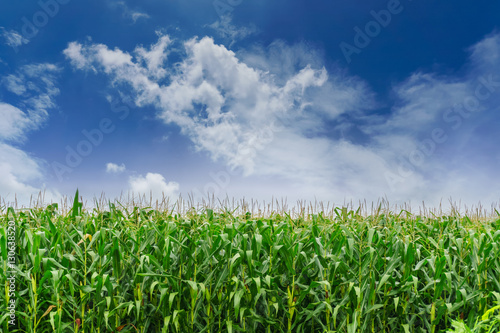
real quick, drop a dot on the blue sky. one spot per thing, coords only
(322, 100)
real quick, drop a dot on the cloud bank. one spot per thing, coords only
(265, 111)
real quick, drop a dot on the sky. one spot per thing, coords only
(305, 100)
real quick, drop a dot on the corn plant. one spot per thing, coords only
(145, 270)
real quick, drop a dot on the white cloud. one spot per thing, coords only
(115, 168)
(422, 99)
(264, 111)
(74, 52)
(112, 59)
(14, 84)
(18, 170)
(35, 86)
(13, 38)
(486, 53)
(153, 184)
(21, 173)
(227, 30)
(138, 15)
(14, 123)
(457, 108)
(254, 119)
(127, 12)
(155, 57)
(237, 100)
(21, 177)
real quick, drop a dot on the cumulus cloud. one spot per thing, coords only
(115, 168)
(153, 184)
(439, 126)
(485, 53)
(217, 100)
(127, 12)
(34, 85)
(264, 111)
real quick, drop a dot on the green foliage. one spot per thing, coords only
(152, 271)
(486, 323)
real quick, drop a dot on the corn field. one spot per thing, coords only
(144, 270)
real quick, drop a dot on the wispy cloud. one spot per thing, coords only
(226, 107)
(153, 184)
(14, 123)
(35, 87)
(127, 12)
(19, 171)
(13, 38)
(138, 15)
(74, 52)
(15, 84)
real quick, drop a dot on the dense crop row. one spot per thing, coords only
(151, 271)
